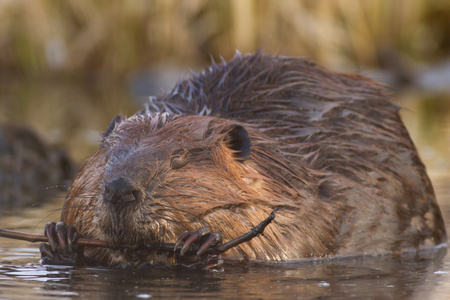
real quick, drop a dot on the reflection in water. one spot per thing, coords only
(370, 277)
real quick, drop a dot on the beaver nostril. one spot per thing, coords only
(121, 191)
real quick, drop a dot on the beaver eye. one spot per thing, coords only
(178, 159)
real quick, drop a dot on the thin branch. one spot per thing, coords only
(259, 229)
(34, 238)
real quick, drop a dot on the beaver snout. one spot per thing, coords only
(121, 191)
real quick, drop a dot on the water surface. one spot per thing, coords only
(426, 276)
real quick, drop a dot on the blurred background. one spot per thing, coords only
(68, 67)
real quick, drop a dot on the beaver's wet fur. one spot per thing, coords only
(226, 147)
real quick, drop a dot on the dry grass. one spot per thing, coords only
(117, 36)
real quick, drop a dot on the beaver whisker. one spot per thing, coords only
(86, 219)
(184, 222)
(79, 208)
(72, 210)
(180, 215)
(169, 207)
(50, 212)
(81, 197)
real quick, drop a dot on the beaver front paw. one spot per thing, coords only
(204, 239)
(62, 248)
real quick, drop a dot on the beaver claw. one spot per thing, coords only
(205, 240)
(203, 237)
(62, 248)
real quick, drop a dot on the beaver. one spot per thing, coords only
(213, 157)
(31, 170)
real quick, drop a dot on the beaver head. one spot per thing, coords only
(158, 175)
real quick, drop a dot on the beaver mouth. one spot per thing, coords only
(132, 223)
(126, 229)
(135, 217)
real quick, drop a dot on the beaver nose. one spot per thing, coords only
(121, 191)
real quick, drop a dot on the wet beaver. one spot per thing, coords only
(31, 171)
(218, 153)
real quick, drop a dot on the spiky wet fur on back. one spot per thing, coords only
(328, 148)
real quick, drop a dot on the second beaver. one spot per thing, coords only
(31, 170)
(223, 149)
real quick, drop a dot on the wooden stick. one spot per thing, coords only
(259, 229)
(34, 238)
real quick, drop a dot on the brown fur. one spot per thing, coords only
(328, 148)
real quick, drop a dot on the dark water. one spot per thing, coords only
(426, 276)
(376, 278)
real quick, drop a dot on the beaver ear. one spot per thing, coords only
(238, 139)
(117, 120)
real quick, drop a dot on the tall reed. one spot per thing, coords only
(115, 36)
